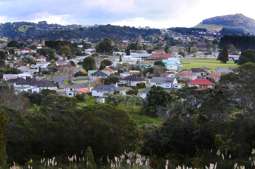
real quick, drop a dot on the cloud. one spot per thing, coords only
(153, 13)
(45, 16)
(3, 19)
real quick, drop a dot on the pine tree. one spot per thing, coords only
(89, 159)
(223, 56)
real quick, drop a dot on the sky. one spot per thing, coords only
(138, 13)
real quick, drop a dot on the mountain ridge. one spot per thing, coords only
(43, 30)
(238, 22)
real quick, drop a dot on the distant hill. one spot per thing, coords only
(229, 24)
(42, 30)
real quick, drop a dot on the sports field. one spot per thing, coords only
(211, 64)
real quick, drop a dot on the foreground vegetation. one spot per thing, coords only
(171, 128)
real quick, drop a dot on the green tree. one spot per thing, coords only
(89, 159)
(223, 56)
(66, 51)
(157, 101)
(2, 140)
(89, 63)
(15, 44)
(247, 56)
(160, 63)
(111, 80)
(3, 57)
(181, 140)
(239, 88)
(105, 46)
(49, 53)
(133, 46)
(105, 63)
(167, 49)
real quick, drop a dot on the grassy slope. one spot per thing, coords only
(211, 64)
(134, 113)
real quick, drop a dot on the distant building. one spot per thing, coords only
(102, 91)
(32, 85)
(172, 63)
(160, 55)
(132, 80)
(164, 82)
(201, 83)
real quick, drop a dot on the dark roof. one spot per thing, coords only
(33, 82)
(99, 74)
(198, 70)
(162, 80)
(108, 88)
(133, 78)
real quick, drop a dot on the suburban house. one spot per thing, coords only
(173, 64)
(201, 84)
(76, 89)
(40, 66)
(90, 51)
(7, 77)
(164, 82)
(139, 54)
(235, 58)
(159, 55)
(109, 71)
(32, 85)
(185, 75)
(102, 91)
(199, 73)
(132, 80)
(98, 75)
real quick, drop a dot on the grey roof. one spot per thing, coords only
(224, 70)
(76, 86)
(59, 79)
(106, 88)
(162, 80)
(134, 78)
(198, 70)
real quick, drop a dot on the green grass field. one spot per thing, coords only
(211, 64)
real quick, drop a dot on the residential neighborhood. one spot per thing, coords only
(135, 84)
(135, 69)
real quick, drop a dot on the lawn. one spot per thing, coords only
(211, 64)
(144, 121)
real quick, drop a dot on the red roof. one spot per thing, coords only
(201, 82)
(84, 90)
(160, 55)
(185, 73)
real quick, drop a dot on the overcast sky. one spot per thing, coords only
(153, 13)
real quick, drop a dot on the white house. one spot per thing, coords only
(25, 75)
(164, 82)
(101, 92)
(172, 63)
(32, 85)
(132, 80)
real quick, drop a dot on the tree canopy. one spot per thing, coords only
(247, 56)
(223, 56)
(105, 46)
(89, 63)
